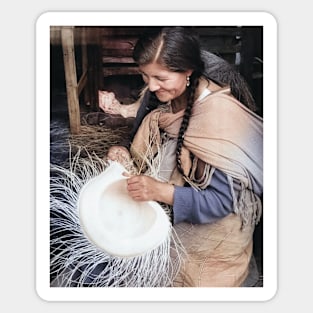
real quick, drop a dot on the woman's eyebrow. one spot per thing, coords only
(155, 76)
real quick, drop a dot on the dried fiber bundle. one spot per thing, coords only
(77, 261)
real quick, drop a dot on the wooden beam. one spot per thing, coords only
(130, 70)
(67, 36)
(85, 65)
(82, 82)
(116, 59)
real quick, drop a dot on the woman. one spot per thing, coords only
(211, 166)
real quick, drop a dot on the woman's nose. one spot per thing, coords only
(153, 85)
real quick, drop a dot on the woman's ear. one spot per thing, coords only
(189, 72)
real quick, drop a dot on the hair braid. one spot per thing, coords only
(185, 122)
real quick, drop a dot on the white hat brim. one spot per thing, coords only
(116, 223)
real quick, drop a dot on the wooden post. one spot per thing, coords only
(85, 65)
(67, 35)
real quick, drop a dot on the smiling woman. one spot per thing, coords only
(194, 119)
(213, 146)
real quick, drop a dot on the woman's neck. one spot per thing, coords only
(179, 103)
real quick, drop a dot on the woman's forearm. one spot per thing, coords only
(164, 192)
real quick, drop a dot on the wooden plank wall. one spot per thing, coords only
(107, 51)
(117, 44)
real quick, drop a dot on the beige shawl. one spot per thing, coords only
(222, 132)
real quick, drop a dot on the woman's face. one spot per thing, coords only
(166, 85)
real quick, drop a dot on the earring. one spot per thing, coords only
(188, 81)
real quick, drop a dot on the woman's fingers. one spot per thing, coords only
(118, 153)
(140, 187)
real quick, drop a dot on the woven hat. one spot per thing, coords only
(116, 223)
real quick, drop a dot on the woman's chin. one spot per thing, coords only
(163, 97)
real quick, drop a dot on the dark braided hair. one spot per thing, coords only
(178, 49)
(185, 122)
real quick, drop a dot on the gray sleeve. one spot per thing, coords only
(204, 206)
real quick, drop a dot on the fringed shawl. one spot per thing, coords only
(223, 133)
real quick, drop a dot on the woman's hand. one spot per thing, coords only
(145, 188)
(119, 154)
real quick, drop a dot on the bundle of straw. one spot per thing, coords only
(77, 262)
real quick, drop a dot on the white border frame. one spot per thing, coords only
(160, 18)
